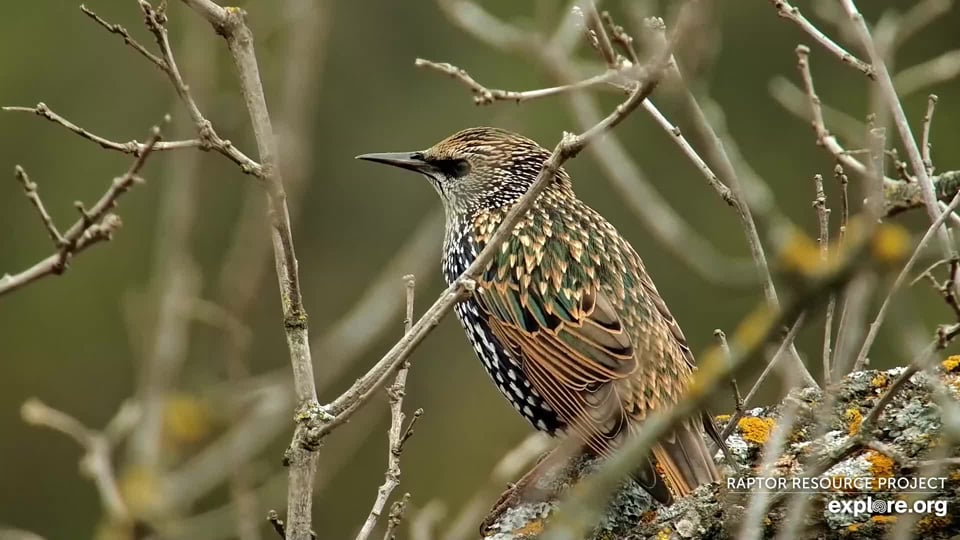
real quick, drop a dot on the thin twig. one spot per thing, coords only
(734, 387)
(30, 189)
(889, 93)
(823, 218)
(738, 413)
(396, 435)
(824, 137)
(230, 24)
(688, 150)
(843, 181)
(122, 32)
(95, 225)
(129, 147)
(792, 98)
(718, 155)
(156, 24)
(486, 96)
(397, 509)
(597, 34)
(788, 11)
(96, 462)
(898, 282)
(925, 137)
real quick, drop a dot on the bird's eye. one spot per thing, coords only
(453, 168)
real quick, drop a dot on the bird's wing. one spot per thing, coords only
(570, 346)
(572, 349)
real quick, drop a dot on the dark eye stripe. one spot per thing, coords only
(452, 168)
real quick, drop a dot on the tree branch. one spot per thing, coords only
(95, 225)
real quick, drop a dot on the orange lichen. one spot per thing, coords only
(756, 430)
(664, 534)
(722, 418)
(951, 363)
(534, 528)
(880, 465)
(883, 520)
(854, 527)
(855, 418)
(880, 380)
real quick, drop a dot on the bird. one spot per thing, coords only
(565, 318)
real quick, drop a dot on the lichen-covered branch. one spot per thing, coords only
(911, 422)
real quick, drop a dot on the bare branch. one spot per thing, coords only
(620, 36)
(122, 32)
(823, 218)
(688, 150)
(925, 138)
(156, 24)
(30, 189)
(396, 435)
(898, 282)
(96, 462)
(230, 24)
(734, 387)
(95, 225)
(129, 147)
(792, 98)
(889, 94)
(718, 155)
(397, 510)
(485, 96)
(597, 34)
(738, 413)
(788, 11)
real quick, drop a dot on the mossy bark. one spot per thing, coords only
(909, 429)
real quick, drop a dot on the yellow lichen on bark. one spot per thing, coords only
(855, 418)
(756, 430)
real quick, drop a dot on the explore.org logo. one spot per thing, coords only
(871, 506)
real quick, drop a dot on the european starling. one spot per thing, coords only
(565, 319)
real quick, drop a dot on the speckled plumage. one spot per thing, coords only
(565, 318)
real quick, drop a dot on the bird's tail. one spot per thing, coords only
(684, 461)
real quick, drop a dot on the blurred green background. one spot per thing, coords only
(77, 341)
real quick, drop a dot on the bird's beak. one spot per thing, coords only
(405, 160)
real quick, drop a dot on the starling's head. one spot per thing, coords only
(475, 169)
